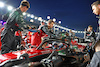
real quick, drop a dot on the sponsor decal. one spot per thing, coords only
(32, 54)
(44, 52)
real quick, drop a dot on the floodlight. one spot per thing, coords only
(10, 7)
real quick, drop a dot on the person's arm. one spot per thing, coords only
(5, 16)
(46, 30)
(33, 30)
(20, 21)
(93, 35)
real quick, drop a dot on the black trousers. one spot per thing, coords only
(8, 41)
(18, 40)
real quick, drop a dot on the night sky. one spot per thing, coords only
(74, 14)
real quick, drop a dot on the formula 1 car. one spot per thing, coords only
(35, 54)
(50, 53)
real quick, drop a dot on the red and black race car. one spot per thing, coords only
(35, 54)
(50, 47)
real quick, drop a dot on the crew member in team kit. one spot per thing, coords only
(14, 23)
(46, 29)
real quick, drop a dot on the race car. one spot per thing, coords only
(35, 54)
(44, 50)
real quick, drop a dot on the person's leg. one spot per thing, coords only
(13, 44)
(17, 42)
(4, 49)
(7, 39)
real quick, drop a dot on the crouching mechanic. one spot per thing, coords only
(46, 29)
(14, 23)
